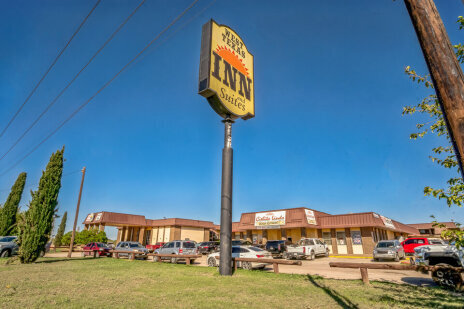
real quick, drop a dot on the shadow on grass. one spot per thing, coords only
(340, 299)
(420, 297)
(53, 260)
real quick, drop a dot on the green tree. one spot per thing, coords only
(84, 237)
(10, 209)
(443, 155)
(61, 228)
(35, 228)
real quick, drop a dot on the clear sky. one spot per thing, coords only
(328, 132)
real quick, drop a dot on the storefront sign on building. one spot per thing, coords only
(98, 217)
(388, 222)
(90, 217)
(310, 217)
(226, 72)
(270, 219)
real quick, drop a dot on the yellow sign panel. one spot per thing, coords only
(226, 72)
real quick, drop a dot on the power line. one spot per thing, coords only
(72, 80)
(101, 89)
(49, 69)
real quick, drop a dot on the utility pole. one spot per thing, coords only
(77, 214)
(444, 68)
(225, 258)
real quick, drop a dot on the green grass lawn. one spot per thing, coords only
(106, 282)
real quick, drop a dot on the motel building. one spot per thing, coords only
(354, 233)
(147, 231)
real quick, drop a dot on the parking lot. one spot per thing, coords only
(320, 266)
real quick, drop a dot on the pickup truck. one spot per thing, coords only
(306, 248)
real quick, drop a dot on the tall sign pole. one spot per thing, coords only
(71, 245)
(226, 80)
(444, 68)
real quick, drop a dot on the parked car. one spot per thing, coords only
(306, 248)
(207, 247)
(157, 245)
(441, 255)
(410, 243)
(389, 249)
(241, 243)
(186, 247)
(8, 246)
(242, 252)
(141, 251)
(277, 247)
(100, 248)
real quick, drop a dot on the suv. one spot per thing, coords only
(413, 242)
(8, 246)
(389, 249)
(208, 247)
(132, 246)
(176, 247)
(277, 247)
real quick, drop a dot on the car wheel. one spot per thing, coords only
(42, 253)
(98, 253)
(327, 253)
(397, 258)
(212, 262)
(5, 253)
(312, 256)
(173, 261)
(246, 265)
(376, 259)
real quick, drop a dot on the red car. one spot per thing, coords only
(100, 248)
(413, 242)
(152, 248)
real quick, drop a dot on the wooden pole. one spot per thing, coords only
(364, 275)
(444, 68)
(77, 215)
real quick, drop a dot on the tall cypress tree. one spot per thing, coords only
(10, 209)
(35, 229)
(61, 228)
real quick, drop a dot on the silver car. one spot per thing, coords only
(132, 246)
(177, 247)
(389, 249)
(8, 246)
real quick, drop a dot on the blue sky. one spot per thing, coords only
(328, 132)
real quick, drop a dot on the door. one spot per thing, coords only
(320, 247)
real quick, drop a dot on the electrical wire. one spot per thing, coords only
(72, 80)
(101, 89)
(49, 69)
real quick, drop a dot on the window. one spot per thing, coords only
(136, 245)
(310, 242)
(385, 244)
(410, 241)
(243, 250)
(420, 241)
(255, 249)
(189, 245)
(341, 238)
(326, 236)
(177, 244)
(356, 237)
(235, 250)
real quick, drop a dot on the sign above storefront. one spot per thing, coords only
(90, 217)
(310, 217)
(388, 222)
(270, 219)
(226, 72)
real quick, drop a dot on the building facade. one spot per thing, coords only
(147, 231)
(429, 229)
(355, 233)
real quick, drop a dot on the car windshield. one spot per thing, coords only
(436, 242)
(189, 245)
(255, 249)
(100, 245)
(389, 244)
(135, 245)
(6, 239)
(273, 242)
